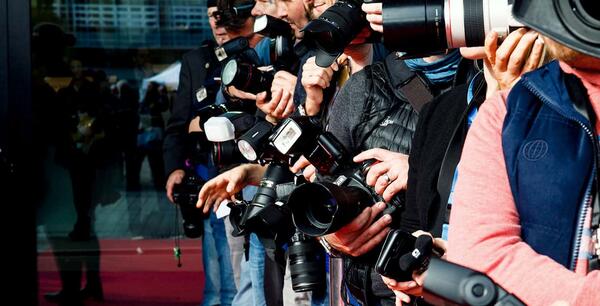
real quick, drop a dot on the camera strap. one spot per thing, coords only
(582, 105)
(452, 157)
(411, 85)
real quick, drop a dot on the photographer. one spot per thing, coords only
(526, 197)
(438, 122)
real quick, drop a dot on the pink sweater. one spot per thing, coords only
(485, 232)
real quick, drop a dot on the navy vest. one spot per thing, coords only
(549, 159)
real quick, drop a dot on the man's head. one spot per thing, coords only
(571, 28)
(295, 13)
(572, 57)
(235, 17)
(316, 7)
(219, 33)
(265, 7)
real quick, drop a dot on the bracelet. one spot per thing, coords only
(328, 248)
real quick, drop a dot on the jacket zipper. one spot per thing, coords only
(588, 194)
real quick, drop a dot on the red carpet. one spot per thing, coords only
(138, 272)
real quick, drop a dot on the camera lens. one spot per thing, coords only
(416, 26)
(323, 208)
(307, 263)
(591, 8)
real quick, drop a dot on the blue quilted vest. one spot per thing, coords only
(549, 159)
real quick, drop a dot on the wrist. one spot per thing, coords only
(332, 251)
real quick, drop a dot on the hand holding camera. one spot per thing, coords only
(314, 80)
(374, 15)
(519, 53)
(390, 175)
(308, 170)
(404, 259)
(281, 104)
(174, 178)
(363, 233)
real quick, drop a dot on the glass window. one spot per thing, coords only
(104, 75)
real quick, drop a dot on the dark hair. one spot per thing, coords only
(232, 14)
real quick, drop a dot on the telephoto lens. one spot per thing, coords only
(421, 27)
(185, 195)
(246, 77)
(307, 263)
(448, 282)
(333, 31)
(264, 215)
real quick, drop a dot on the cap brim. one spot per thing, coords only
(543, 17)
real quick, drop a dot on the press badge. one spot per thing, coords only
(201, 94)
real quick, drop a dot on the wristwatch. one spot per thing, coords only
(328, 248)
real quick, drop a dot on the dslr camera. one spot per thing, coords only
(185, 195)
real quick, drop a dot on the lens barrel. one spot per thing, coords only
(307, 263)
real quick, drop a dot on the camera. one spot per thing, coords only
(449, 282)
(304, 136)
(222, 131)
(402, 254)
(421, 27)
(247, 77)
(266, 215)
(333, 31)
(255, 146)
(307, 263)
(213, 110)
(324, 207)
(185, 195)
(281, 41)
(237, 48)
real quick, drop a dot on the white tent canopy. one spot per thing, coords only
(168, 77)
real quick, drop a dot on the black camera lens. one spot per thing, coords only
(322, 208)
(307, 263)
(262, 215)
(590, 8)
(333, 31)
(246, 77)
(417, 26)
(226, 153)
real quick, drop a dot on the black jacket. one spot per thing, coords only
(439, 121)
(196, 66)
(373, 111)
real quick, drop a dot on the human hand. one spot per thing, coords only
(519, 53)
(225, 185)
(374, 15)
(314, 80)
(281, 105)
(414, 287)
(390, 175)
(308, 170)
(234, 92)
(363, 233)
(176, 177)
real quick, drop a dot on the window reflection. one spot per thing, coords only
(104, 75)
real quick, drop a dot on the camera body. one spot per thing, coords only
(185, 195)
(324, 207)
(402, 254)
